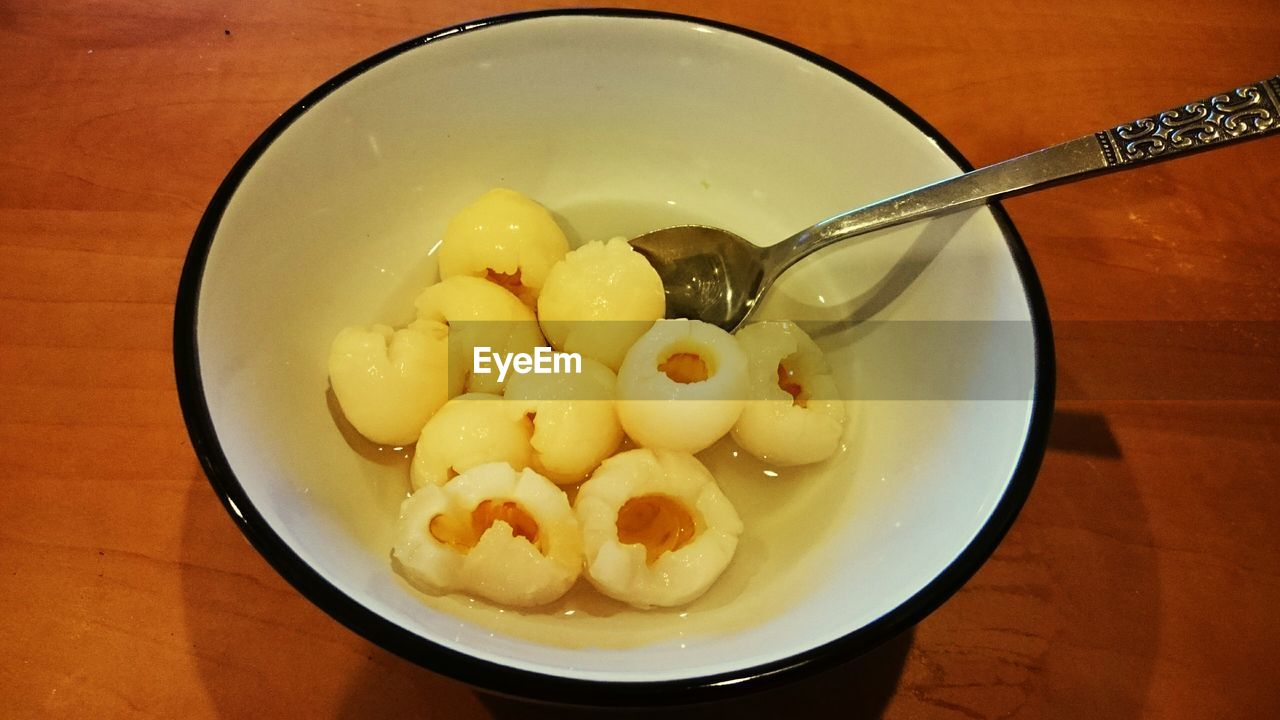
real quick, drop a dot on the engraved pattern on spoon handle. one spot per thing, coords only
(1240, 113)
(1246, 112)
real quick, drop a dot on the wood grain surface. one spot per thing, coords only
(1141, 579)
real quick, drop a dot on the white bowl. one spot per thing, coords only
(621, 122)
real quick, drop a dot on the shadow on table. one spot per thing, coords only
(861, 688)
(1079, 576)
(1086, 433)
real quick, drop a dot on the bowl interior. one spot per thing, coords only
(622, 125)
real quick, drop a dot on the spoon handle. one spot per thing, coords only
(1247, 112)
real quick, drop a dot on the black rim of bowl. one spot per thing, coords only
(505, 680)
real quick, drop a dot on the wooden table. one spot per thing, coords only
(1140, 580)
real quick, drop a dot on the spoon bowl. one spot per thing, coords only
(708, 273)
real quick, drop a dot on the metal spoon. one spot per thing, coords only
(713, 275)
